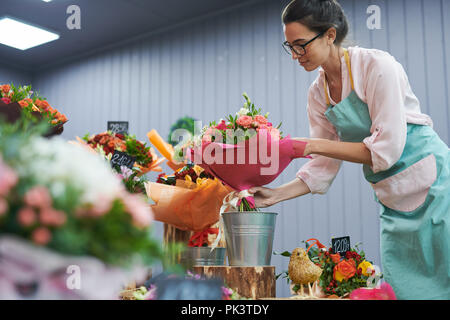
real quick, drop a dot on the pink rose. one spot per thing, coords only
(8, 179)
(52, 217)
(101, 207)
(38, 197)
(274, 132)
(6, 100)
(260, 119)
(269, 124)
(41, 236)
(140, 211)
(3, 207)
(245, 121)
(26, 216)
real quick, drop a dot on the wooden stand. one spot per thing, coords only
(250, 282)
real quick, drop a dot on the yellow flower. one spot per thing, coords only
(201, 181)
(198, 170)
(366, 268)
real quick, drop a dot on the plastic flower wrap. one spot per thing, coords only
(17, 100)
(190, 199)
(244, 151)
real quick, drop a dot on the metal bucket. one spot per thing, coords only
(249, 237)
(202, 256)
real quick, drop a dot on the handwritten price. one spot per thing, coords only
(119, 159)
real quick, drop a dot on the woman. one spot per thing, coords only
(361, 109)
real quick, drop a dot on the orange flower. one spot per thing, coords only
(44, 105)
(5, 88)
(335, 257)
(25, 102)
(344, 270)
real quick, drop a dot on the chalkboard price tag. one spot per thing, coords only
(119, 159)
(118, 127)
(189, 289)
(341, 245)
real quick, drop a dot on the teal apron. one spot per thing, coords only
(415, 235)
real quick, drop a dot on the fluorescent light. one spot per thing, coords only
(22, 35)
(46, 0)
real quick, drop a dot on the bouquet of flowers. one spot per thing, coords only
(341, 274)
(189, 199)
(17, 100)
(244, 151)
(146, 160)
(62, 197)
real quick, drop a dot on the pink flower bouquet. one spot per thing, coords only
(245, 151)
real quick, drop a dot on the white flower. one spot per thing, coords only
(55, 162)
(242, 112)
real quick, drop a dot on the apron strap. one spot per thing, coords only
(347, 60)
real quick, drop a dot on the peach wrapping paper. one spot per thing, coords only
(187, 208)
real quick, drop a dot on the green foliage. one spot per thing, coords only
(113, 238)
(186, 123)
(137, 149)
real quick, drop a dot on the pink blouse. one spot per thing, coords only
(381, 82)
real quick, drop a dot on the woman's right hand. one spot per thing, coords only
(264, 197)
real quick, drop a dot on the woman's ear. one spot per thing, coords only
(331, 35)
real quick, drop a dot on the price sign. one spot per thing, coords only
(189, 289)
(341, 245)
(119, 159)
(118, 127)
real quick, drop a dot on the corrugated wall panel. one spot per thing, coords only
(10, 74)
(201, 69)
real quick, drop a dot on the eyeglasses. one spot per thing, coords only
(299, 49)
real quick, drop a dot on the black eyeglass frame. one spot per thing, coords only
(287, 45)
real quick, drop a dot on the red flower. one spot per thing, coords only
(6, 100)
(222, 125)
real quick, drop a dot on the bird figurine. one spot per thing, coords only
(302, 270)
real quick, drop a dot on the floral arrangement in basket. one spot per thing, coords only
(13, 99)
(108, 142)
(334, 275)
(65, 198)
(243, 151)
(189, 199)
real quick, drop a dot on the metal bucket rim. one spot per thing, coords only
(249, 212)
(205, 249)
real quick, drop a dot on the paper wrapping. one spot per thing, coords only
(187, 208)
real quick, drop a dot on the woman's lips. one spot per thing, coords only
(303, 63)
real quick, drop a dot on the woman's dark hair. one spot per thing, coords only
(318, 16)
